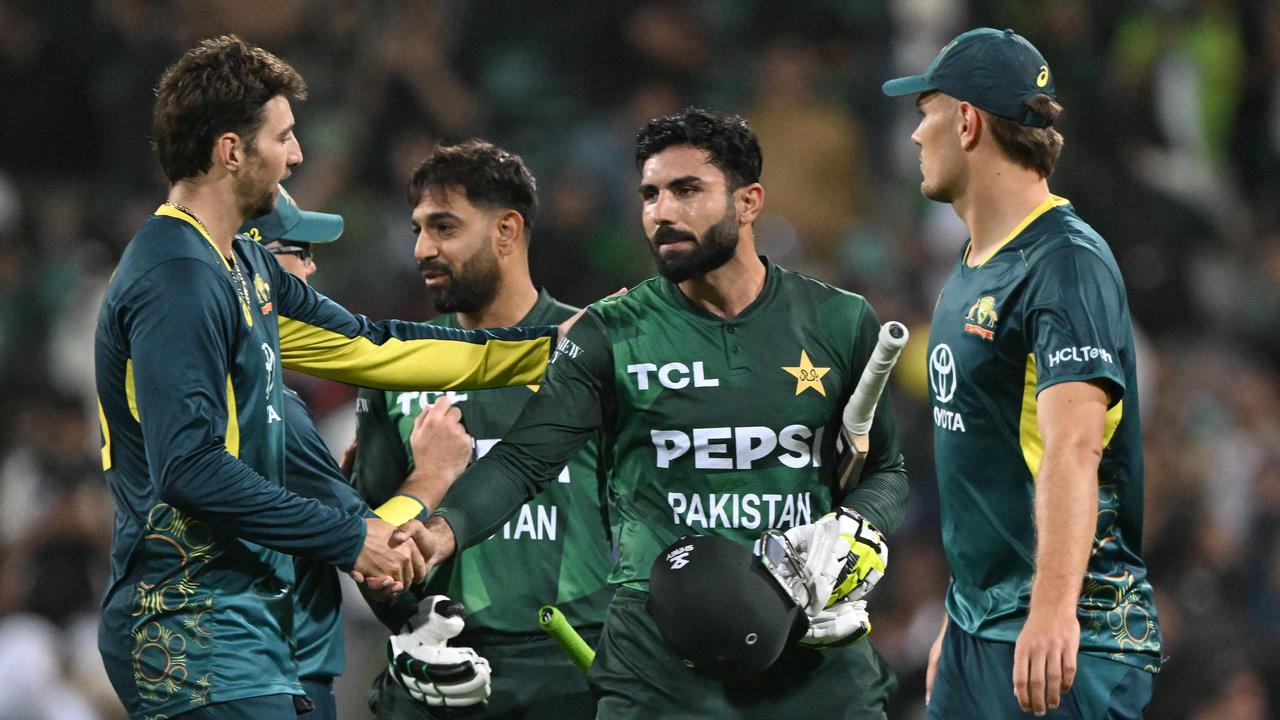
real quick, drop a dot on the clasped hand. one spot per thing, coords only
(393, 558)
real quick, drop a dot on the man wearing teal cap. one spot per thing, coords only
(1035, 402)
(310, 470)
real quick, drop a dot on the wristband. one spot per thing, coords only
(401, 508)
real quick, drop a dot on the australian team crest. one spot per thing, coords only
(263, 290)
(982, 318)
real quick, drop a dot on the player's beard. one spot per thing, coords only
(251, 199)
(715, 248)
(471, 288)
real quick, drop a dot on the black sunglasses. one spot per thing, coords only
(302, 250)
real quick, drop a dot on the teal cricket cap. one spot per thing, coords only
(998, 71)
(290, 222)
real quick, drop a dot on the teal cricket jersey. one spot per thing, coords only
(1048, 307)
(310, 471)
(710, 426)
(198, 606)
(554, 551)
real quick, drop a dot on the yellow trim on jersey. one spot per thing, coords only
(130, 390)
(106, 437)
(399, 509)
(233, 421)
(173, 212)
(411, 364)
(1044, 207)
(1029, 424)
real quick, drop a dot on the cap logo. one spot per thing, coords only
(253, 233)
(679, 557)
(1043, 78)
(751, 638)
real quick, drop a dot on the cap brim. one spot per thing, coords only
(315, 227)
(910, 85)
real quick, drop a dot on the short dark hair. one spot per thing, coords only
(1031, 147)
(727, 138)
(487, 174)
(221, 85)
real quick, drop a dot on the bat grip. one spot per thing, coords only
(861, 408)
(554, 623)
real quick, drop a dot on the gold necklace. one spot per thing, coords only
(191, 214)
(231, 264)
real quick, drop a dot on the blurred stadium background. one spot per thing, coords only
(1173, 154)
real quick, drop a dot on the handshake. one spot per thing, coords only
(399, 551)
(392, 557)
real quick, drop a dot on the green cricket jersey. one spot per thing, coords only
(554, 551)
(710, 426)
(1048, 307)
(310, 471)
(188, 359)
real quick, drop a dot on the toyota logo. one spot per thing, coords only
(942, 373)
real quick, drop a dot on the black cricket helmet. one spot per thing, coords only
(719, 609)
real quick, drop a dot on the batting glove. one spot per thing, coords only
(844, 556)
(843, 623)
(431, 671)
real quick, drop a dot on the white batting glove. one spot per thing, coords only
(844, 556)
(843, 623)
(431, 671)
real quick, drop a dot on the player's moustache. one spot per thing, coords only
(667, 234)
(434, 267)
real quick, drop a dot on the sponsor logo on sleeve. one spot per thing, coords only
(1082, 353)
(566, 347)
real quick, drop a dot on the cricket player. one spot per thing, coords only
(718, 387)
(1035, 403)
(474, 209)
(289, 232)
(194, 329)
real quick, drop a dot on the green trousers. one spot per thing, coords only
(532, 680)
(636, 676)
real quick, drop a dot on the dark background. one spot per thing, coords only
(1173, 154)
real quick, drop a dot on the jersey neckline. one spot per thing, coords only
(1044, 207)
(682, 302)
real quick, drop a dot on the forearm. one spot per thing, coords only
(487, 495)
(881, 497)
(231, 497)
(428, 485)
(396, 355)
(1066, 507)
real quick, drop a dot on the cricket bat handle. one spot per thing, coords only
(553, 623)
(861, 407)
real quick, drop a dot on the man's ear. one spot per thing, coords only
(229, 151)
(748, 200)
(970, 124)
(510, 226)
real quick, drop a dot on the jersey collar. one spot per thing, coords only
(167, 210)
(679, 299)
(1044, 207)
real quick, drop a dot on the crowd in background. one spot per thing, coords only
(1173, 154)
